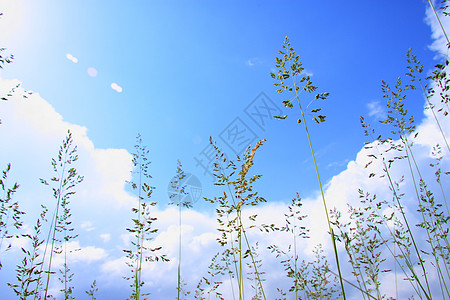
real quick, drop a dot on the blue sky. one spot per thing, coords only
(186, 65)
(186, 70)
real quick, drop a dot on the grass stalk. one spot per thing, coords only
(9, 211)
(142, 229)
(65, 180)
(179, 191)
(426, 223)
(397, 117)
(439, 20)
(28, 271)
(415, 67)
(179, 255)
(290, 67)
(243, 232)
(386, 167)
(240, 197)
(94, 289)
(53, 230)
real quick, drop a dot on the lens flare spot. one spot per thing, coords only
(71, 58)
(116, 87)
(92, 72)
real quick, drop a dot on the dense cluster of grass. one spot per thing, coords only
(372, 239)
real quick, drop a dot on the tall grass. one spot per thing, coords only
(10, 214)
(35, 271)
(290, 79)
(403, 236)
(393, 236)
(60, 232)
(29, 271)
(209, 284)
(178, 193)
(304, 286)
(93, 289)
(143, 230)
(5, 59)
(237, 195)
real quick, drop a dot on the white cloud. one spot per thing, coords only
(115, 268)
(87, 254)
(35, 120)
(103, 192)
(78, 254)
(114, 175)
(126, 238)
(376, 109)
(198, 247)
(116, 87)
(34, 131)
(71, 58)
(307, 73)
(105, 237)
(439, 40)
(106, 170)
(17, 242)
(338, 164)
(253, 62)
(14, 19)
(87, 225)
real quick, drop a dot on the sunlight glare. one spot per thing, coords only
(13, 19)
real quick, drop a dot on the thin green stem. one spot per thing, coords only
(439, 20)
(179, 250)
(65, 265)
(439, 225)
(55, 224)
(444, 198)
(353, 285)
(234, 260)
(400, 207)
(405, 141)
(295, 261)
(427, 194)
(230, 274)
(137, 275)
(395, 271)
(431, 106)
(358, 274)
(254, 264)
(240, 277)
(321, 191)
(38, 282)
(402, 212)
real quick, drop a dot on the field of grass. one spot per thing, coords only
(377, 240)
